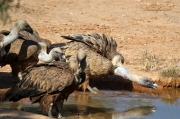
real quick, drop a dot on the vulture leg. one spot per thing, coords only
(50, 111)
(86, 86)
(59, 105)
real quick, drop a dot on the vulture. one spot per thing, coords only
(50, 83)
(54, 54)
(25, 50)
(102, 58)
(18, 26)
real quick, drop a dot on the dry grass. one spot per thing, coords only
(171, 72)
(151, 61)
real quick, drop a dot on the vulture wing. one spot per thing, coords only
(103, 45)
(41, 79)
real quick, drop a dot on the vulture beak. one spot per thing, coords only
(2, 49)
(62, 58)
(154, 86)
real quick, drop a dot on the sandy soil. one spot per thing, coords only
(140, 27)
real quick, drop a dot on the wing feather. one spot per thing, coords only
(43, 78)
(103, 45)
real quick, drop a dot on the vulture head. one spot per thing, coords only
(78, 65)
(120, 70)
(22, 25)
(18, 26)
(55, 53)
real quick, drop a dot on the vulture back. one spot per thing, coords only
(40, 79)
(107, 47)
(97, 65)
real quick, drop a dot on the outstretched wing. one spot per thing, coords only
(40, 79)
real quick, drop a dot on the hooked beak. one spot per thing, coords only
(154, 86)
(2, 49)
(62, 58)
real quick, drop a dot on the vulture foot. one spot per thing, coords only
(95, 89)
(92, 90)
(60, 116)
(59, 106)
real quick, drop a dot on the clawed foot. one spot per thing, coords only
(94, 90)
(61, 117)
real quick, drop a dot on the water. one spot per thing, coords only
(111, 105)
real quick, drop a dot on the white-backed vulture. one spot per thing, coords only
(50, 83)
(102, 58)
(25, 51)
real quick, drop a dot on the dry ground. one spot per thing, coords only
(140, 27)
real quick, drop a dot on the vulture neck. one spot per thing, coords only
(43, 56)
(13, 35)
(122, 71)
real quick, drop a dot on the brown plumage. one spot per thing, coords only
(106, 47)
(50, 84)
(22, 52)
(102, 58)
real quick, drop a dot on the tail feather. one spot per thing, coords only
(18, 91)
(11, 93)
(78, 38)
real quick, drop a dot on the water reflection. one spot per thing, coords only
(82, 103)
(89, 107)
(138, 112)
(170, 96)
(111, 105)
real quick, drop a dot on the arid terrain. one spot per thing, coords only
(141, 28)
(147, 31)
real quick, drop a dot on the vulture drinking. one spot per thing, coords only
(50, 83)
(102, 58)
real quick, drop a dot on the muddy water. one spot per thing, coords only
(111, 105)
